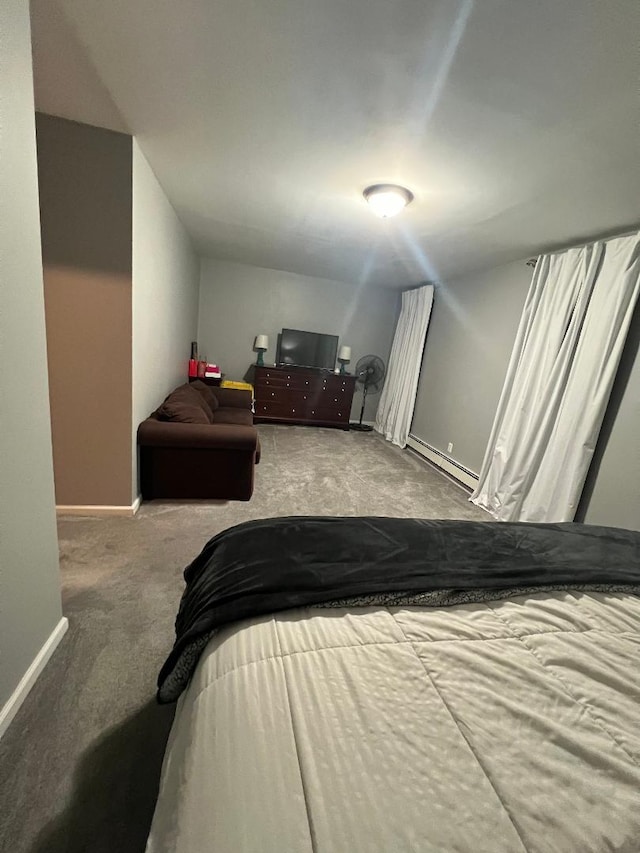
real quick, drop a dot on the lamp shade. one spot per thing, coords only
(344, 354)
(262, 342)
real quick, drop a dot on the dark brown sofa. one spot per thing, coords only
(200, 443)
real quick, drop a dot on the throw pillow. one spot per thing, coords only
(207, 394)
(191, 396)
(181, 412)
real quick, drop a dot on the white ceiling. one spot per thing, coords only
(515, 123)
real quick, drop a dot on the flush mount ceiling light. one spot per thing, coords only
(387, 199)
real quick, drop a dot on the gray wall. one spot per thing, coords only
(471, 333)
(238, 301)
(29, 580)
(166, 277)
(85, 212)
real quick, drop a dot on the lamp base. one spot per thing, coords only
(260, 359)
(343, 366)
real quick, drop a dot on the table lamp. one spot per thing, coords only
(261, 346)
(344, 357)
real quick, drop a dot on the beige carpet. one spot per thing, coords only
(79, 765)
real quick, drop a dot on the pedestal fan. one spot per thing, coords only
(370, 372)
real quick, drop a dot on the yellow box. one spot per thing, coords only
(239, 386)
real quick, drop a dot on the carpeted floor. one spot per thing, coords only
(79, 765)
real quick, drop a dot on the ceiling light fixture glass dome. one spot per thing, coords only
(387, 199)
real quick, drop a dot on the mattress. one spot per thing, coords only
(501, 726)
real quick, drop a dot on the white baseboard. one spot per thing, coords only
(10, 709)
(100, 509)
(441, 460)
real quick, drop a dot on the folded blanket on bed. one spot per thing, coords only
(275, 564)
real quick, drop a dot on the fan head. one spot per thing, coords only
(370, 372)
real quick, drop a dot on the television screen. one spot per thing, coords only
(308, 349)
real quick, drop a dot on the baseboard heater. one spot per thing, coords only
(441, 460)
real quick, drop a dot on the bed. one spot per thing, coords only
(405, 685)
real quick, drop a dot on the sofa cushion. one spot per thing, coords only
(233, 397)
(180, 412)
(232, 415)
(207, 393)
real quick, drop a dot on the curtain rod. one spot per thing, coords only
(609, 235)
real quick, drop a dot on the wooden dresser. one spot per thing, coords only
(301, 395)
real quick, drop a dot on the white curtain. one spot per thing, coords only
(398, 397)
(559, 379)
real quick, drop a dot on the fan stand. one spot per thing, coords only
(360, 427)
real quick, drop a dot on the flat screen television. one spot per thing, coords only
(308, 349)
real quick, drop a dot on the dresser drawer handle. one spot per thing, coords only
(335, 399)
(307, 382)
(287, 384)
(273, 393)
(293, 411)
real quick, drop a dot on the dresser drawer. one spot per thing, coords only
(271, 409)
(286, 380)
(289, 410)
(330, 415)
(338, 383)
(282, 394)
(296, 383)
(334, 397)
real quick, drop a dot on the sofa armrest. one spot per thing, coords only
(233, 397)
(154, 433)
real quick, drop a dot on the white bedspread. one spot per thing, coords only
(508, 726)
